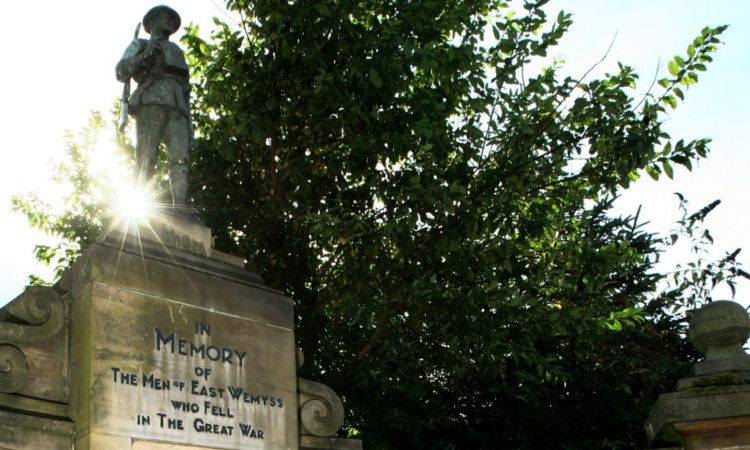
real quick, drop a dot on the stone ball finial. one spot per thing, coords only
(719, 330)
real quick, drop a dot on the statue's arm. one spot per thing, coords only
(186, 88)
(133, 61)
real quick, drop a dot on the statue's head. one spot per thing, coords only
(157, 14)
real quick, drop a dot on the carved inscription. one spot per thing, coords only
(188, 348)
(194, 403)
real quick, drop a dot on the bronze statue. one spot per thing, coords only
(160, 104)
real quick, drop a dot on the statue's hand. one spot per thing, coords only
(151, 49)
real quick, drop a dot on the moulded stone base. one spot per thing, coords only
(728, 433)
(23, 431)
(689, 416)
(329, 443)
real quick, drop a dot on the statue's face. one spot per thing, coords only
(163, 24)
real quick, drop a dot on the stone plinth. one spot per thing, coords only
(171, 344)
(154, 340)
(712, 408)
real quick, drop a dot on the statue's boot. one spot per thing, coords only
(178, 185)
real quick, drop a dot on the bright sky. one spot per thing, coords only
(60, 57)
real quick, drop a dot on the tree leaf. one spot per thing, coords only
(375, 78)
(674, 69)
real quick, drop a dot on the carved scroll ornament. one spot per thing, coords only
(14, 371)
(32, 317)
(321, 411)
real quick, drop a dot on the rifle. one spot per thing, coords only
(126, 92)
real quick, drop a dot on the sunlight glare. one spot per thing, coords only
(133, 203)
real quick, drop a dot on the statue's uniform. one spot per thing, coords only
(161, 110)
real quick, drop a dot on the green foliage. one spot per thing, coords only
(85, 203)
(441, 215)
(694, 280)
(79, 222)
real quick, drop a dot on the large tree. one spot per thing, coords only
(437, 211)
(440, 214)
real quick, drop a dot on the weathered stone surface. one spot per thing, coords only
(170, 347)
(728, 433)
(145, 445)
(101, 441)
(167, 231)
(14, 370)
(165, 370)
(33, 372)
(719, 329)
(321, 412)
(22, 431)
(329, 443)
(720, 402)
(39, 407)
(728, 377)
(712, 409)
(182, 277)
(153, 340)
(34, 345)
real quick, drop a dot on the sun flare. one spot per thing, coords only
(133, 202)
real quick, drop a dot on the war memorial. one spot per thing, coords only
(153, 339)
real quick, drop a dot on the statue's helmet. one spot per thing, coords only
(148, 19)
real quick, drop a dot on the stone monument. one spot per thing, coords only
(153, 339)
(160, 104)
(711, 408)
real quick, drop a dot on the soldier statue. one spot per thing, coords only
(160, 104)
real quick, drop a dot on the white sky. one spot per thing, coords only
(59, 63)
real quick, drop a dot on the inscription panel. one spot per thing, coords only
(173, 372)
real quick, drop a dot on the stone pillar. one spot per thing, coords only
(711, 409)
(154, 340)
(174, 342)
